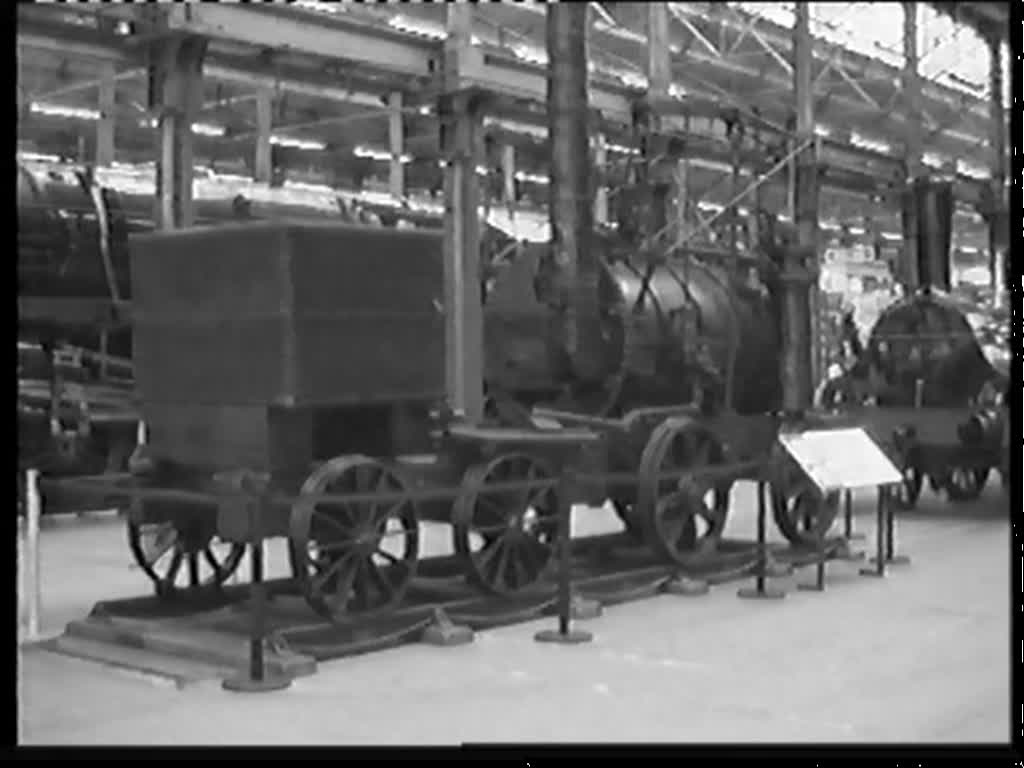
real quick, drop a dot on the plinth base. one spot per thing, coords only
(447, 635)
(584, 609)
(897, 560)
(768, 593)
(811, 587)
(246, 684)
(685, 587)
(572, 637)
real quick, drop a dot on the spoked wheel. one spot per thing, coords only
(683, 518)
(506, 538)
(800, 511)
(965, 484)
(909, 491)
(354, 558)
(183, 554)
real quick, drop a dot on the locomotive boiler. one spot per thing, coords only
(683, 330)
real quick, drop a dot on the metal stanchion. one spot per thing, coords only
(760, 589)
(565, 634)
(891, 558)
(819, 567)
(257, 679)
(848, 532)
(30, 554)
(879, 559)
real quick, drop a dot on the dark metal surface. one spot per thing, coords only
(278, 314)
(666, 332)
(931, 203)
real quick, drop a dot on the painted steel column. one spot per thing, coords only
(659, 81)
(396, 142)
(508, 178)
(601, 191)
(800, 263)
(105, 126)
(461, 144)
(570, 206)
(910, 275)
(263, 165)
(175, 88)
(999, 229)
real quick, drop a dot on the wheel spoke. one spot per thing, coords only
(487, 552)
(193, 569)
(322, 577)
(343, 589)
(172, 570)
(392, 559)
(500, 575)
(384, 587)
(211, 560)
(344, 531)
(360, 586)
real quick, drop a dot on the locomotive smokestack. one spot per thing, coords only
(933, 205)
(571, 212)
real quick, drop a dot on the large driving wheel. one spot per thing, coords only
(357, 557)
(965, 484)
(506, 537)
(682, 518)
(802, 514)
(183, 553)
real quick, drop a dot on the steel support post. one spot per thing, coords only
(461, 129)
(175, 91)
(909, 272)
(601, 190)
(263, 164)
(571, 207)
(508, 178)
(800, 263)
(105, 126)
(998, 220)
(396, 146)
(659, 81)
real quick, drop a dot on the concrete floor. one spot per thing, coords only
(922, 656)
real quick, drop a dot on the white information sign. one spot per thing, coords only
(838, 459)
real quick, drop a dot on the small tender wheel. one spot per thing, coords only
(682, 518)
(506, 538)
(184, 553)
(909, 491)
(966, 484)
(358, 557)
(800, 511)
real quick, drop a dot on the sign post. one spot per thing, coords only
(841, 460)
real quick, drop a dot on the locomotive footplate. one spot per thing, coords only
(205, 636)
